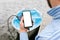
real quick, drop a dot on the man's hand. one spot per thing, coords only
(22, 29)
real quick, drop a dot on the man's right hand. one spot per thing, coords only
(22, 29)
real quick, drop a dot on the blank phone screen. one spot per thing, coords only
(27, 19)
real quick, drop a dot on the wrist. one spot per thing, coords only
(23, 30)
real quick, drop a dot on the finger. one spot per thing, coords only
(22, 19)
(21, 23)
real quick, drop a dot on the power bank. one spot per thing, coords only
(27, 19)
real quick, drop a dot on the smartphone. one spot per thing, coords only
(27, 19)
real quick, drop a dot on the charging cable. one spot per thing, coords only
(9, 27)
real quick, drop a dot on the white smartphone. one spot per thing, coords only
(27, 19)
